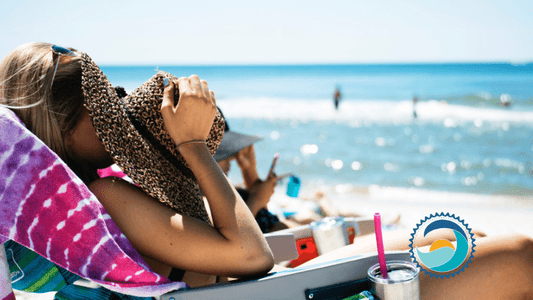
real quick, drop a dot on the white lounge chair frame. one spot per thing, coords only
(291, 284)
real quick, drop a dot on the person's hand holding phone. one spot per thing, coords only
(273, 165)
(271, 173)
(260, 190)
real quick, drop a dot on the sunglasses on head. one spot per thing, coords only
(60, 51)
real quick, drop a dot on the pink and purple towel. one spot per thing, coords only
(45, 207)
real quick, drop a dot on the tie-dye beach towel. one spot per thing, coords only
(45, 207)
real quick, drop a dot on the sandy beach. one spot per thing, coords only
(493, 214)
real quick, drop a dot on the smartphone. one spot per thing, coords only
(274, 161)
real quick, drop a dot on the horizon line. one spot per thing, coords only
(502, 62)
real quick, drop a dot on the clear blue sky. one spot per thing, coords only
(276, 32)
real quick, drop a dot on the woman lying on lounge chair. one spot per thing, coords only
(64, 98)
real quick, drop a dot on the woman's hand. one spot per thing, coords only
(260, 193)
(193, 117)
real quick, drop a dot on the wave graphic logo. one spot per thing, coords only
(444, 258)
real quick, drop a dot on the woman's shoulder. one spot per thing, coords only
(113, 193)
(111, 185)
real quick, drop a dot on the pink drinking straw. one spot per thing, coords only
(379, 242)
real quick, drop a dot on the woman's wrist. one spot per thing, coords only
(250, 177)
(192, 149)
(190, 142)
(255, 205)
(200, 161)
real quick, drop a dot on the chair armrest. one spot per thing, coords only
(290, 283)
(362, 225)
(283, 246)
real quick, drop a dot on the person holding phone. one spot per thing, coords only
(256, 192)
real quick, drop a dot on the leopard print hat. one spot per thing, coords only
(132, 131)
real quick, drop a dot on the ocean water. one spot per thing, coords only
(463, 140)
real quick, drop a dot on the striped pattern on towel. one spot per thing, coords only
(11, 296)
(32, 273)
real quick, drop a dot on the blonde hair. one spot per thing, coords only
(51, 112)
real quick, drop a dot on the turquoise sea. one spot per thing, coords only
(463, 140)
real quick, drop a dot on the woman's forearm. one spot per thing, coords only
(248, 166)
(254, 206)
(250, 176)
(235, 246)
(222, 197)
(231, 216)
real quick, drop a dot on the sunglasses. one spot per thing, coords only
(60, 51)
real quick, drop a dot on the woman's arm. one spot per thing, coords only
(260, 194)
(260, 190)
(235, 245)
(247, 163)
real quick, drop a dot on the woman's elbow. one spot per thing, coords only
(258, 264)
(265, 263)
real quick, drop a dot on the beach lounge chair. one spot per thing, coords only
(332, 280)
(307, 246)
(51, 222)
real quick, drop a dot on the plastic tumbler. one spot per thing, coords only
(401, 283)
(293, 187)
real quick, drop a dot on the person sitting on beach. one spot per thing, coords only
(257, 192)
(53, 105)
(234, 245)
